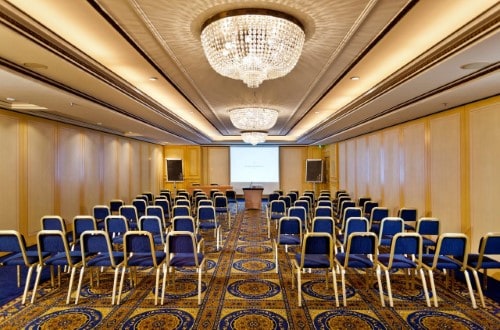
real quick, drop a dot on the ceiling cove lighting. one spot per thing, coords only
(252, 45)
(253, 137)
(253, 118)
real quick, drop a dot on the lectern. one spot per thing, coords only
(253, 198)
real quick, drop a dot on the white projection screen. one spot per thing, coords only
(255, 166)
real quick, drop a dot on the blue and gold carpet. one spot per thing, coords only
(242, 290)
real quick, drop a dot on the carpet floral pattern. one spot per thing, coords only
(242, 290)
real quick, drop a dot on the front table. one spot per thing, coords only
(253, 198)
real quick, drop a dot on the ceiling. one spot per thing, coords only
(137, 68)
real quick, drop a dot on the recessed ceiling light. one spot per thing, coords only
(10, 99)
(35, 66)
(474, 65)
(354, 78)
(153, 78)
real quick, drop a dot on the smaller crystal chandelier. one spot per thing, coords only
(252, 45)
(253, 118)
(253, 137)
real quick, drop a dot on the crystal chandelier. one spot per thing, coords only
(253, 137)
(253, 118)
(252, 45)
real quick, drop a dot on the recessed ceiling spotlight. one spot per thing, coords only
(474, 65)
(10, 99)
(354, 78)
(153, 78)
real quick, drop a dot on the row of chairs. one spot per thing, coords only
(361, 250)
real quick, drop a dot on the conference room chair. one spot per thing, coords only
(100, 212)
(378, 213)
(187, 223)
(156, 210)
(206, 219)
(13, 244)
(311, 195)
(276, 210)
(81, 223)
(98, 244)
(293, 196)
(130, 213)
(53, 251)
(150, 197)
(140, 206)
(56, 222)
(167, 194)
(325, 202)
(486, 258)
(323, 211)
(409, 216)
(323, 224)
(116, 226)
(301, 213)
(360, 253)
(405, 254)
(356, 224)
(165, 205)
(232, 199)
(183, 202)
(287, 199)
(221, 205)
(428, 228)
(181, 210)
(114, 205)
(349, 212)
(183, 193)
(337, 204)
(306, 205)
(272, 197)
(182, 252)
(153, 225)
(143, 197)
(389, 227)
(140, 253)
(450, 256)
(345, 204)
(317, 253)
(368, 207)
(289, 234)
(362, 201)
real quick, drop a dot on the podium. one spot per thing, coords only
(253, 198)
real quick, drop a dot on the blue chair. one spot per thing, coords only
(178, 210)
(165, 205)
(317, 253)
(428, 228)
(289, 234)
(53, 251)
(232, 199)
(293, 196)
(183, 202)
(181, 251)
(301, 213)
(156, 210)
(56, 222)
(116, 226)
(98, 244)
(378, 213)
(349, 212)
(368, 207)
(360, 252)
(323, 225)
(389, 227)
(276, 210)
(139, 252)
(306, 205)
(207, 220)
(187, 223)
(100, 212)
(153, 225)
(451, 254)
(81, 223)
(287, 199)
(405, 253)
(352, 225)
(222, 207)
(272, 197)
(130, 213)
(409, 216)
(140, 205)
(489, 245)
(344, 205)
(362, 201)
(14, 244)
(325, 202)
(114, 205)
(323, 211)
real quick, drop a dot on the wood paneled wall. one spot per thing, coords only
(446, 165)
(54, 168)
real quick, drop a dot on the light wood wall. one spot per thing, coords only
(54, 168)
(446, 165)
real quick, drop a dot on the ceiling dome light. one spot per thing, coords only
(253, 137)
(253, 118)
(252, 45)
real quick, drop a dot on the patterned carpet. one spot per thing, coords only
(243, 291)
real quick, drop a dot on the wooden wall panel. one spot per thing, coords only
(9, 172)
(374, 178)
(484, 146)
(292, 168)
(110, 168)
(362, 167)
(146, 163)
(69, 172)
(92, 177)
(445, 177)
(342, 165)
(390, 169)
(413, 169)
(218, 165)
(41, 166)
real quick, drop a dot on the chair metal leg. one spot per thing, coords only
(334, 279)
(433, 288)
(424, 286)
(471, 292)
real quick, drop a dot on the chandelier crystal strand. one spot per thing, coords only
(253, 137)
(253, 118)
(253, 47)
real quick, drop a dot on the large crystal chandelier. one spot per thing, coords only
(253, 137)
(252, 45)
(253, 118)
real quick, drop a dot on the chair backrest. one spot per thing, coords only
(53, 222)
(278, 206)
(115, 225)
(319, 244)
(454, 245)
(205, 202)
(220, 202)
(53, 242)
(362, 201)
(303, 203)
(391, 226)
(180, 210)
(339, 192)
(323, 211)
(13, 241)
(298, 211)
(231, 195)
(150, 196)
(350, 212)
(287, 199)
(490, 244)
(165, 205)
(290, 226)
(82, 223)
(341, 199)
(183, 223)
(323, 224)
(345, 204)
(273, 196)
(408, 213)
(129, 212)
(325, 202)
(100, 212)
(368, 207)
(182, 242)
(355, 225)
(406, 243)
(152, 224)
(183, 193)
(96, 241)
(428, 226)
(139, 242)
(206, 213)
(293, 196)
(185, 202)
(378, 213)
(115, 204)
(155, 210)
(362, 243)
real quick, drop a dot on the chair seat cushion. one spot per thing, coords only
(185, 260)
(144, 259)
(488, 263)
(399, 262)
(355, 260)
(289, 239)
(443, 262)
(103, 259)
(313, 260)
